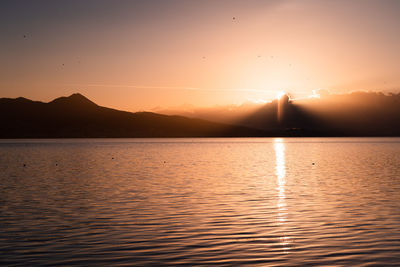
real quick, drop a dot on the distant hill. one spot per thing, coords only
(353, 114)
(77, 116)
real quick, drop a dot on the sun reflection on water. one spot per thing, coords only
(279, 147)
(280, 171)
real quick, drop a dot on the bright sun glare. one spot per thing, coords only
(280, 94)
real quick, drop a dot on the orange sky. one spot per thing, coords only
(137, 55)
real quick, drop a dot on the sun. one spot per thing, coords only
(280, 94)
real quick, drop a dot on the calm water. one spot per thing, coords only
(157, 202)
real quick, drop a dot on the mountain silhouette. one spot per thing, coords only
(76, 99)
(355, 114)
(352, 114)
(77, 116)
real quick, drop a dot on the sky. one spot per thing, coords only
(138, 55)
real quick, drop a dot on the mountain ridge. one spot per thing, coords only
(355, 114)
(359, 113)
(76, 98)
(77, 116)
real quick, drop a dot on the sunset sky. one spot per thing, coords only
(137, 55)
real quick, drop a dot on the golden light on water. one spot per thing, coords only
(280, 171)
(280, 161)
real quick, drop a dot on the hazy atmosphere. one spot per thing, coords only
(199, 133)
(142, 55)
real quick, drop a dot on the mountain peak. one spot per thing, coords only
(77, 95)
(75, 99)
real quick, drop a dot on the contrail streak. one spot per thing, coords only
(180, 88)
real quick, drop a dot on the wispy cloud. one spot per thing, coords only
(134, 86)
(178, 88)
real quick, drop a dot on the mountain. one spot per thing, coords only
(355, 114)
(77, 116)
(352, 114)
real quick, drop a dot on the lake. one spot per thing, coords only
(220, 202)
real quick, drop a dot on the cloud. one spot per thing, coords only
(320, 93)
(174, 88)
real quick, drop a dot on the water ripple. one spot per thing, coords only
(200, 202)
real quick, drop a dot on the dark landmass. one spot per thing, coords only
(78, 117)
(355, 114)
